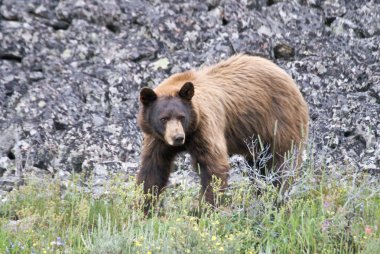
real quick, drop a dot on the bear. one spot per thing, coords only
(211, 112)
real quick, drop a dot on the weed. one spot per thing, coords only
(324, 212)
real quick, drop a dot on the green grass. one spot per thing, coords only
(338, 212)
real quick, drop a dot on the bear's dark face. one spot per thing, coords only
(168, 117)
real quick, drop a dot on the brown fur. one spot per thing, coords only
(234, 100)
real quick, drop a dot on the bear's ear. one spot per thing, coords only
(187, 91)
(147, 96)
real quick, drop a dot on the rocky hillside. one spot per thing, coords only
(71, 70)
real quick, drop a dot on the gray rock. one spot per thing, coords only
(8, 138)
(285, 51)
(21, 225)
(5, 163)
(10, 182)
(71, 71)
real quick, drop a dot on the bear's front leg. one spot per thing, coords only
(211, 159)
(157, 160)
(209, 172)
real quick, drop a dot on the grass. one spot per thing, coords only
(334, 212)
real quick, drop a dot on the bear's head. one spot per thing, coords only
(167, 117)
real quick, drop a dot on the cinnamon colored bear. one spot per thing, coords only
(211, 112)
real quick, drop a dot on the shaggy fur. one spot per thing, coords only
(232, 101)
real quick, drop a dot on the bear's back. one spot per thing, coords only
(252, 95)
(246, 95)
(239, 74)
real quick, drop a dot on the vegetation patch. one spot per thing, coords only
(335, 212)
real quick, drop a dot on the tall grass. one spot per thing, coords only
(325, 212)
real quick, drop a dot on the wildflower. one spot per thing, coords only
(221, 248)
(149, 252)
(137, 243)
(215, 223)
(213, 238)
(368, 230)
(326, 225)
(58, 242)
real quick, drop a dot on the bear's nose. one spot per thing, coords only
(178, 140)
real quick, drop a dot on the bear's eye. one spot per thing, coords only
(164, 119)
(181, 118)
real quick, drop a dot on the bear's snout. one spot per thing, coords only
(179, 140)
(174, 133)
